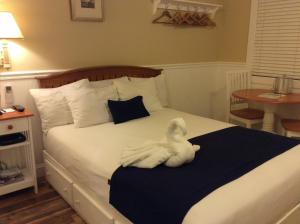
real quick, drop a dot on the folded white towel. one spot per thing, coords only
(173, 150)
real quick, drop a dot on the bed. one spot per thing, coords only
(80, 170)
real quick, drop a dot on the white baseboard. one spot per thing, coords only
(40, 170)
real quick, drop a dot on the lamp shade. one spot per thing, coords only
(9, 28)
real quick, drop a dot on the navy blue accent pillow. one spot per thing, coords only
(127, 110)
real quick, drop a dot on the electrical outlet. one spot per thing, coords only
(8, 88)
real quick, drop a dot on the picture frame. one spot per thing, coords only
(86, 10)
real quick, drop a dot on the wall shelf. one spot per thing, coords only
(187, 5)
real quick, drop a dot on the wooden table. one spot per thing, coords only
(253, 95)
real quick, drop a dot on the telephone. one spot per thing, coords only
(18, 108)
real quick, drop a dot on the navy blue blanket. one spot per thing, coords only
(164, 195)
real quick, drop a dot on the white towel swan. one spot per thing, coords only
(173, 150)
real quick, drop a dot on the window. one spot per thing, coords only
(276, 40)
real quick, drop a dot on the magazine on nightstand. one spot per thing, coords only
(10, 175)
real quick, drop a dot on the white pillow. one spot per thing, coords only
(161, 88)
(107, 82)
(52, 106)
(75, 85)
(144, 88)
(85, 107)
(104, 94)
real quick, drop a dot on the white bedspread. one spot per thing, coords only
(262, 196)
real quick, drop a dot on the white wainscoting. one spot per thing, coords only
(197, 88)
(218, 102)
(189, 87)
(21, 96)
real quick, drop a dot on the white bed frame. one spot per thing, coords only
(92, 208)
(95, 210)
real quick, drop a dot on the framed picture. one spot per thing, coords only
(86, 10)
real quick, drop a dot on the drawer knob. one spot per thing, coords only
(10, 127)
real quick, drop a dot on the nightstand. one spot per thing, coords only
(20, 122)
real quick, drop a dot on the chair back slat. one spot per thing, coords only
(236, 80)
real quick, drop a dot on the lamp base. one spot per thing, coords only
(5, 59)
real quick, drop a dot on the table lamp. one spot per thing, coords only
(9, 29)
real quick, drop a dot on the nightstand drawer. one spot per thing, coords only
(13, 126)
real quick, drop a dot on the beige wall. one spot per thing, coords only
(127, 36)
(233, 31)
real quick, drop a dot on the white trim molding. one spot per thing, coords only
(231, 64)
(28, 74)
(40, 169)
(184, 65)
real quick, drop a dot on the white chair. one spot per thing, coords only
(237, 109)
(291, 127)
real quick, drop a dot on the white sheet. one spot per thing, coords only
(92, 154)
(263, 195)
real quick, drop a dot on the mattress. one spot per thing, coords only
(92, 154)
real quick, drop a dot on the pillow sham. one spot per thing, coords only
(75, 85)
(107, 82)
(104, 94)
(52, 106)
(85, 107)
(161, 88)
(146, 88)
(131, 109)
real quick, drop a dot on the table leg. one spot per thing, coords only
(269, 117)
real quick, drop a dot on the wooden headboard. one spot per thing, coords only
(96, 74)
